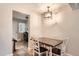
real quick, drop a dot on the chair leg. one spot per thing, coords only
(33, 53)
(39, 54)
(46, 53)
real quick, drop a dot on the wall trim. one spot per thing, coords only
(67, 54)
(9, 54)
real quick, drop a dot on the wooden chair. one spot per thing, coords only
(56, 52)
(64, 47)
(38, 49)
(60, 49)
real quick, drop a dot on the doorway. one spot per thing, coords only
(20, 27)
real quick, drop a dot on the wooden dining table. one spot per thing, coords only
(51, 42)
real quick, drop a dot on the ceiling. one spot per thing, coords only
(74, 6)
(54, 7)
(19, 15)
(41, 7)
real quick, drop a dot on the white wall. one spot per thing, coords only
(5, 30)
(6, 24)
(15, 26)
(70, 24)
(65, 28)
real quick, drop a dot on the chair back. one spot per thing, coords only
(64, 46)
(36, 45)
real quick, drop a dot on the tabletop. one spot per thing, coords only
(50, 41)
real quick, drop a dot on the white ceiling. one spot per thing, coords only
(74, 5)
(42, 7)
(19, 15)
(54, 7)
(22, 16)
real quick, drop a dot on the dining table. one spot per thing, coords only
(51, 42)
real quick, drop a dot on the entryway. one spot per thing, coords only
(20, 27)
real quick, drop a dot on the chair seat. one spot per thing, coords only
(42, 49)
(56, 51)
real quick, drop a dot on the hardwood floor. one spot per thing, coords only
(21, 49)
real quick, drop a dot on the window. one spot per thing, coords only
(22, 27)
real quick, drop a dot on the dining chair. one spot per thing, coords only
(56, 51)
(60, 49)
(38, 49)
(64, 47)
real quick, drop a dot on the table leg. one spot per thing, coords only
(50, 51)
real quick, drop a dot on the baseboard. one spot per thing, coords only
(67, 54)
(9, 55)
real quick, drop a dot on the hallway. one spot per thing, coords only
(21, 49)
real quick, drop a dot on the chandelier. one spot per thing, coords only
(47, 14)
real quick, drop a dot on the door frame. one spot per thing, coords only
(27, 23)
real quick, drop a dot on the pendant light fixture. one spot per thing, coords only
(47, 14)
